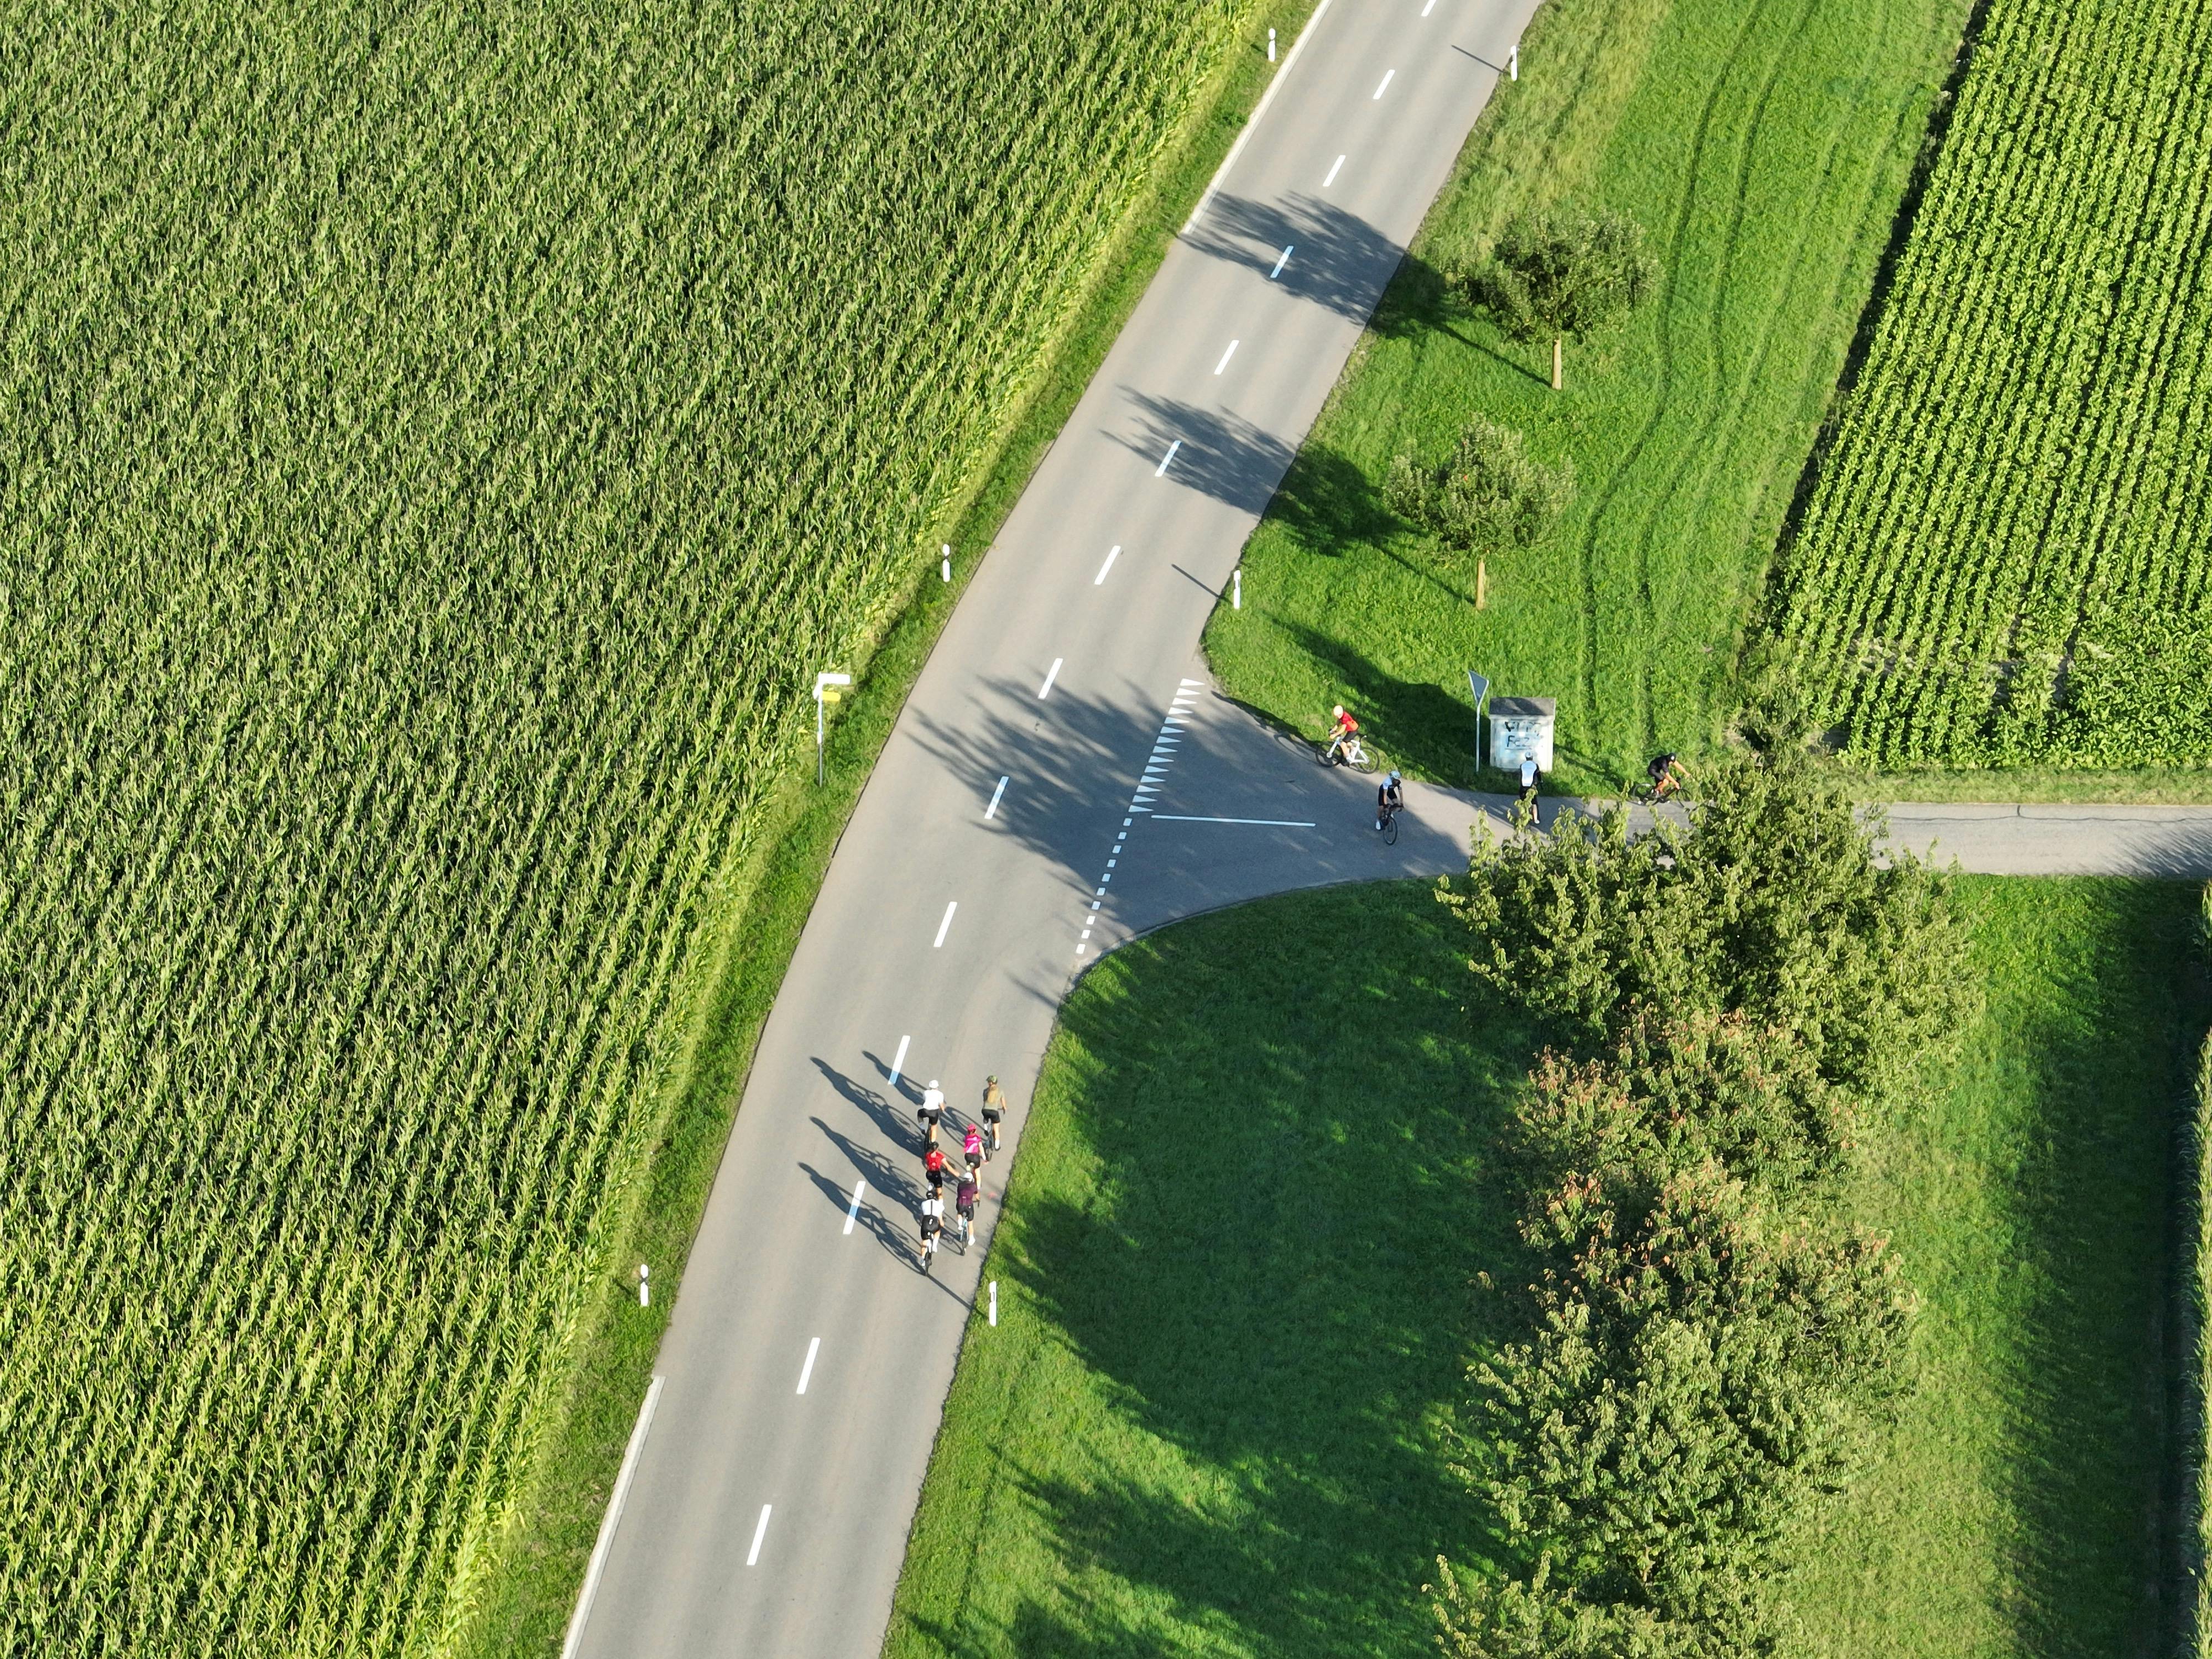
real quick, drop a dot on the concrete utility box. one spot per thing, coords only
(1520, 728)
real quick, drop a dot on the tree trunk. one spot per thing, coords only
(1557, 379)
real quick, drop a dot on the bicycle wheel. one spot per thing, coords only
(1360, 760)
(1390, 830)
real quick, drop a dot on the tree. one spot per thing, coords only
(1776, 903)
(1492, 495)
(1561, 273)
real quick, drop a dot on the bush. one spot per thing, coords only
(1492, 496)
(1772, 904)
(1707, 1352)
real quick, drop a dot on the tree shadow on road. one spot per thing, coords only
(1216, 452)
(1337, 261)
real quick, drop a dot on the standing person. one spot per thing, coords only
(994, 1109)
(963, 1203)
(971, 1148)
(932, 1108)
(1529, 777)
(933, 1223)
(932, 1165)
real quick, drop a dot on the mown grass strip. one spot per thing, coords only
(1764, 149)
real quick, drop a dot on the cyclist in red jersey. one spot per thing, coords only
(1345, 725)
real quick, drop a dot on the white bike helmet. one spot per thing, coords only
(1337, 713)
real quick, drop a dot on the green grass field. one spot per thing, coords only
(439, 445)
(1765, 147)
(1234, 1278)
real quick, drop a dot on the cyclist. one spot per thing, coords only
(933, 1223)
(1529, 777)
(932, 1165)
(963, 1206)
(1389, 800)
(994, 1107)
(1343, 727)
(932, 1108)
(971, 1149)
(1665, 781)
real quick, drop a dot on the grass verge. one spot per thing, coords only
(523, 1603)
(2022, 1505)
(1765, 148)
(1215, 1416)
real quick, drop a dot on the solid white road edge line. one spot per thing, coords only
(854, 1214)
(807, 1369)
(1226, 356)
(1333, 171)
(607, 1524)
(898, 1061)
(945, 924)
(1161, 470)
(1050, 675)
(992, 810)
(1258, 109)
(1112, 554)
(1386, 73)
(752, 1556)
(1280, 263)
(1279, 824)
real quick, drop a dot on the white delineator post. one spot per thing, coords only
(994, 1302)
(1236, 588)
(945, 568)
(825, 691)
(644, 1290)
(1513, 64)
(1271, 46)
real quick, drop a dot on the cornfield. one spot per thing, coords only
(2006, 555)
(439, 442)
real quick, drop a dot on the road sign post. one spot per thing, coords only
(1480, 687)
(824, 692)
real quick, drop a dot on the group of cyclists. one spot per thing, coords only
(1663, 776)
(979, 1138)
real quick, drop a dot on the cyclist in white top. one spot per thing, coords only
(932, 1225)
(932, 1108)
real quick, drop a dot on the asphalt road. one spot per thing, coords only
(1059, 779)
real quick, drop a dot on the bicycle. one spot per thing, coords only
(1348, 752)
(1390, 816)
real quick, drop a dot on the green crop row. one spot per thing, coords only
(2004, 558)
(439, 443)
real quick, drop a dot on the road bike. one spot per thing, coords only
(1348, 752)
(1389, 816)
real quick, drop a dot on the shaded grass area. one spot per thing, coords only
(1233, 1289)
(1765, 148)
(2023, 1503)
(1234, 1278)
(530, 1590)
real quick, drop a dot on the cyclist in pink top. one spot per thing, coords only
(971, 1147)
